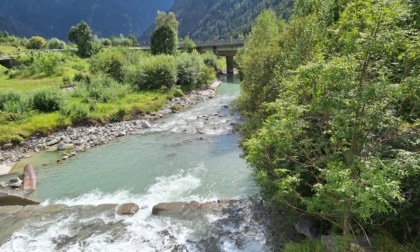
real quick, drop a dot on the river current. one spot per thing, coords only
(192, 155)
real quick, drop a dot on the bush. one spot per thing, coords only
(36, 42)
(189, 70)
(210, 60)
(14, 106)
(80, 77)
(75, 112)
(47, 100)
(101, 89)
(55, 43)
(153, 73)
(110, 62)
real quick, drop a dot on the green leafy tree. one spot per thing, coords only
(189, 44)
(82, 35)
(332, 141)
(36, 42)
(164, 41)
(169, 19)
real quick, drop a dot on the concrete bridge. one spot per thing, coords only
(6, 61)
(226, 48)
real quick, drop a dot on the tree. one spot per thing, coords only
(169, 19)
(81, 34)
(333, 139)
(164, 41)
(189, 44)
(133, 39)
(36, 42)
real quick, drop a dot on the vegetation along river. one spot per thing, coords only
(192, 155)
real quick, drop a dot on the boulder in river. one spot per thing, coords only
(14, 200)
(15, 182)
(127, 209)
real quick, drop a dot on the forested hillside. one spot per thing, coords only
(210, 19)
(332, 99)
(54, 18)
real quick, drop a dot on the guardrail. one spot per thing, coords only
(233, 42)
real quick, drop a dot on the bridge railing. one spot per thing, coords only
(233, 42)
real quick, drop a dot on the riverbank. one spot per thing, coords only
(76, 139)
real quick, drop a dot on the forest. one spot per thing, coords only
(331, 98)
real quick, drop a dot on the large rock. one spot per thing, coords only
(13, 200)
(7, 146)
(15, 182)
(53, 141)
(306, 227)
(168, 208)
(127, 209)
(63, 146)
(145, 124)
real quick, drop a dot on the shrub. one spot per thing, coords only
(75, 112)
(210, 60)
(36, 42)
(7, 97)
(14, 106)
(153, 73)
(207, 75)
(189, 68)
(118, 115)
(110, 62)
(80, 77)
(47, 100)
(101, 89)
(55, 43)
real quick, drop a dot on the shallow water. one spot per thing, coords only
(183, 157)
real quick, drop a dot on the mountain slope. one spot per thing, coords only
(210, 19)
(53, 18)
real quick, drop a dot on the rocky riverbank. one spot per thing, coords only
(77, 139)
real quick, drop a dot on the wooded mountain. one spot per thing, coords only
(53, 18)
(210, 19)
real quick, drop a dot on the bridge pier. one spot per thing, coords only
(229, 65)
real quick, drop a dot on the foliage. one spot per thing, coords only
(259, 60)
(189, 45)
(81, 34)
(305, 246)
(330, 98)
(166, 19)
(101, 89)
(14, 106)
(36, 42)
(210, 60)
(47, 100)
(110, 62)
(164, 41)
(215, 19)
(189, 68)
(55, 43)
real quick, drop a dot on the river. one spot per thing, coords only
(192, 155)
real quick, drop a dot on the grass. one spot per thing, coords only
(45, 123)
(305, 246)
(6, 50)
(28, 84)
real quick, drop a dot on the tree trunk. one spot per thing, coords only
(347, 224)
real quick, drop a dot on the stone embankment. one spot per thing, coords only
(74, 140)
